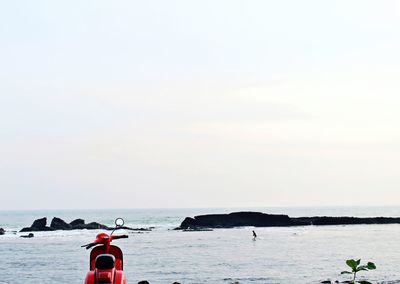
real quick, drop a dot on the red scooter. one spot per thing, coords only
(106, 260)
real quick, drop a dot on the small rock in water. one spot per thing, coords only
(2, 231)
(143, 282)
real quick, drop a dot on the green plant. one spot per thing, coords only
(355, 268)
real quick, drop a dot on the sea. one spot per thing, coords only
(308, 254)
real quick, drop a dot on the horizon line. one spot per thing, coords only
(202, 208)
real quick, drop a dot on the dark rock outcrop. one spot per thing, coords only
(325, 220)
(258, 219)
(236, 219)
(135, 229)
(2, 231)
(60, 224)
(30, 235)
(77, 224)
(38, 225)
(95, 226)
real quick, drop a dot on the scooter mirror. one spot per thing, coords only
(119, 222)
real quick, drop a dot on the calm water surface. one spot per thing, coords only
(279, 255)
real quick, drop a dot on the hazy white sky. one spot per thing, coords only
(107, 104)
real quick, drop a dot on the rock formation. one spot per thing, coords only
(258, 219)
(77, 222)
(30, 235)
(38, 225)
(236, 219)
(60, 224)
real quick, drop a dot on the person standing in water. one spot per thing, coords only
(254, 235)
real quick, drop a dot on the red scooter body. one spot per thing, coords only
(106, 261)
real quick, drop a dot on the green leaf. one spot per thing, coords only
(352, 264)
(362, 267)
(371, 265)
(358, 262)
(346, 272)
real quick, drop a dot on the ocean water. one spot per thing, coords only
(279, 255)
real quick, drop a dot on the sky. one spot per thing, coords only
(165, 104)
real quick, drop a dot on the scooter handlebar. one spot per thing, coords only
(88, 246)
(103, 240)
(120, 237)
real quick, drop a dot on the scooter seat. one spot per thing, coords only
(105, 261)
